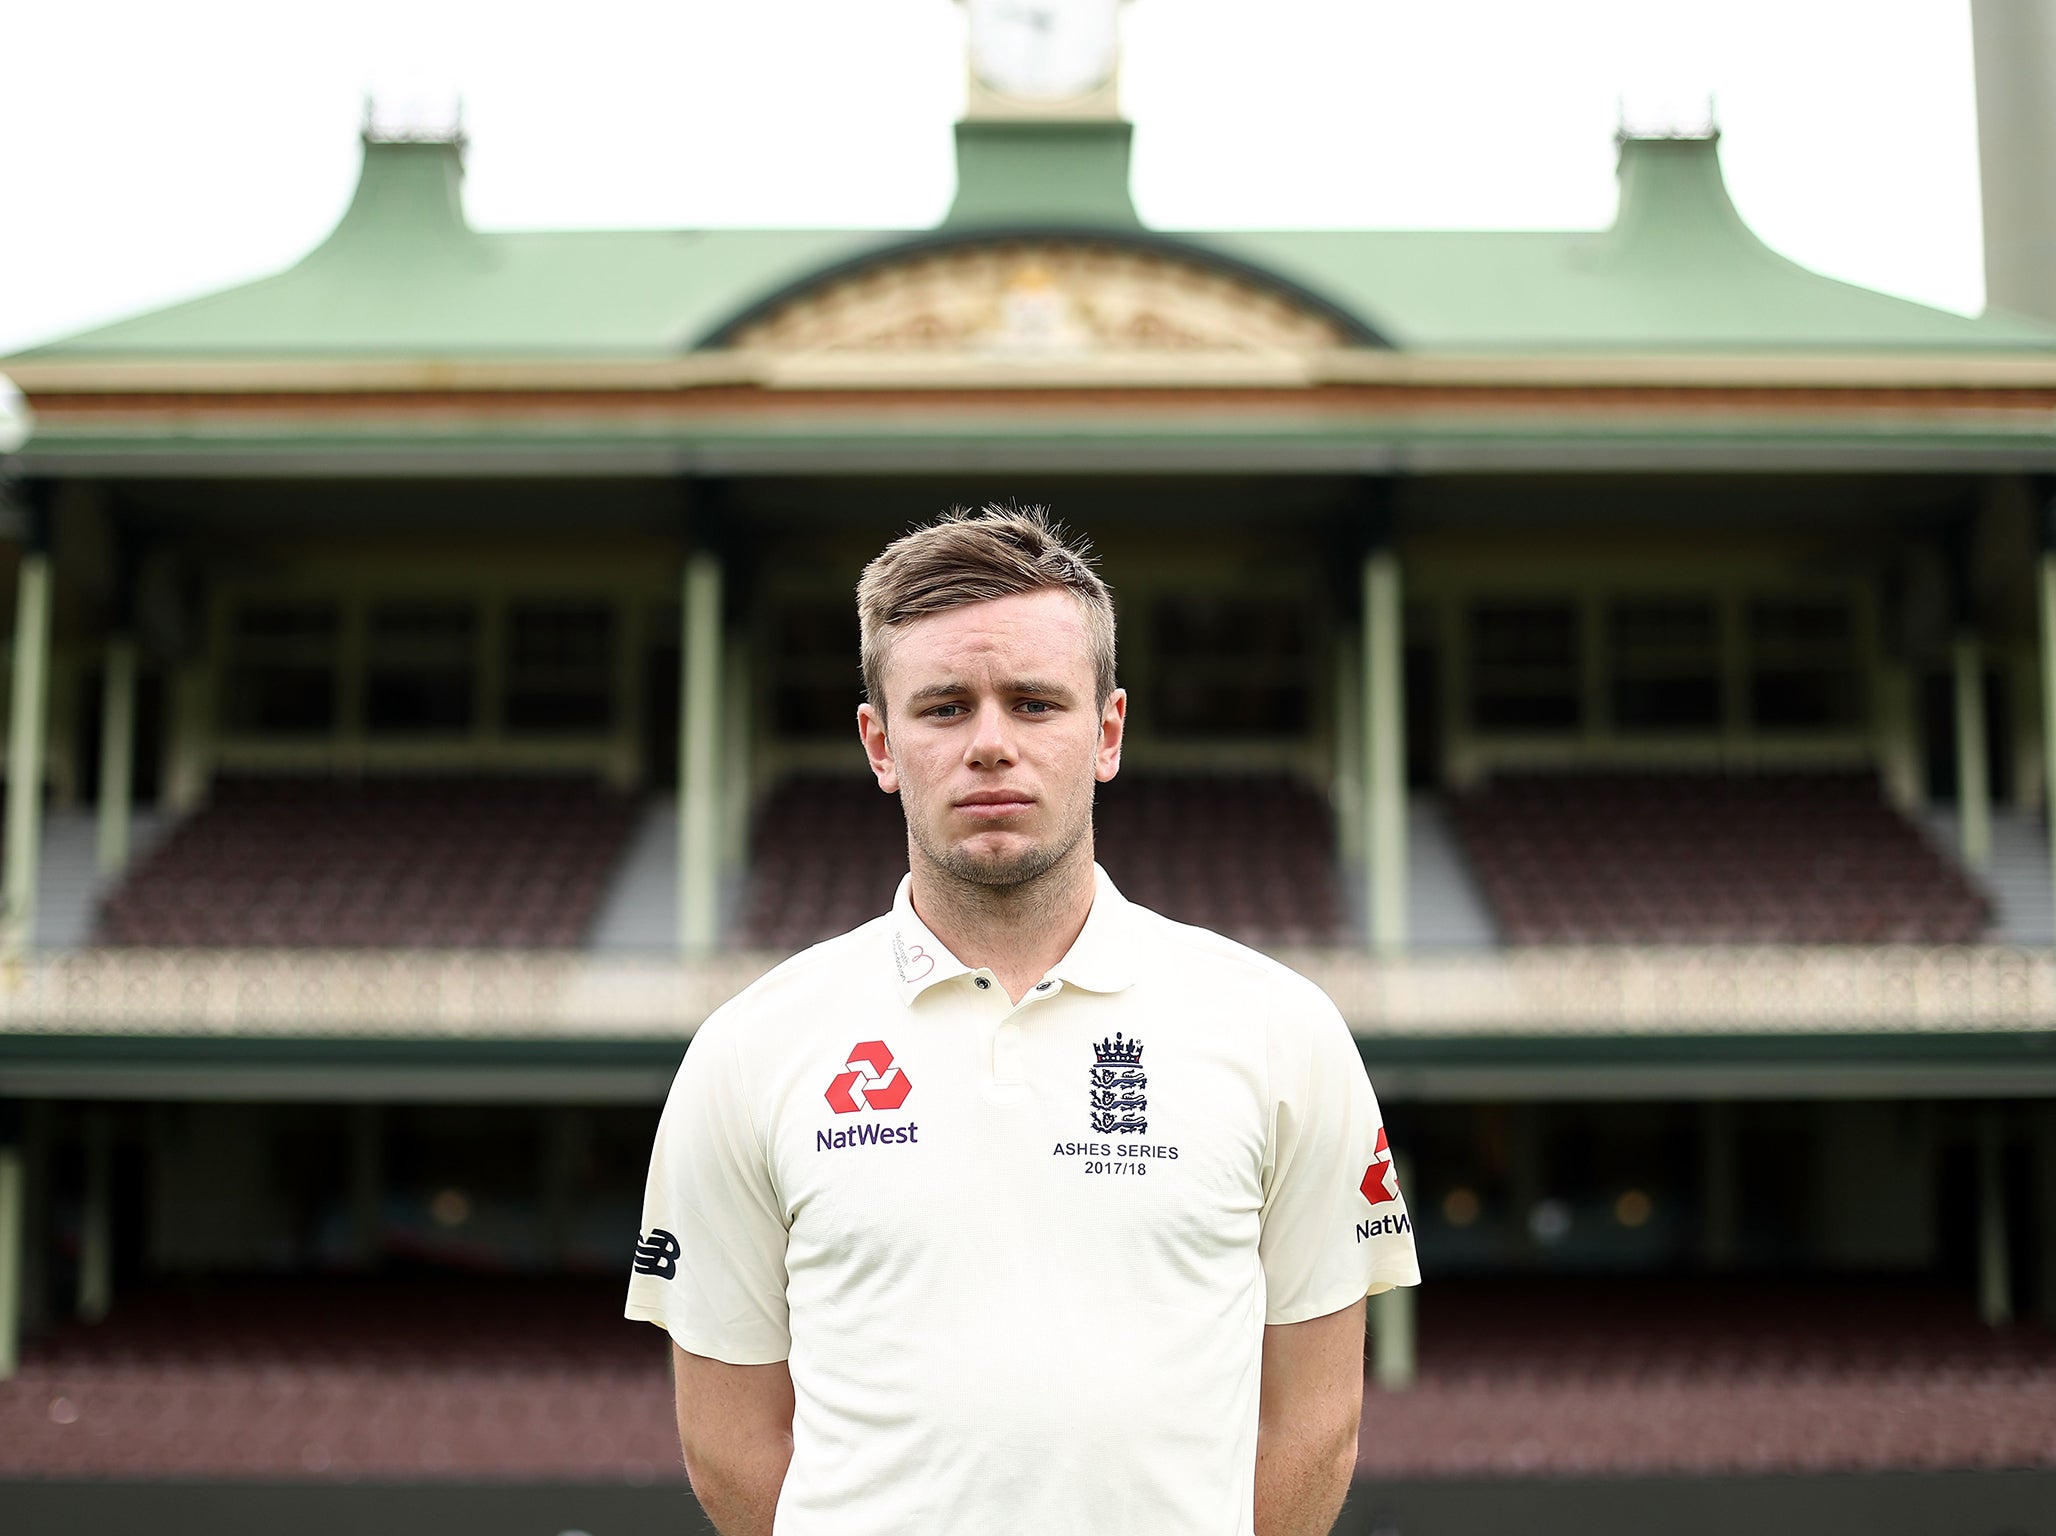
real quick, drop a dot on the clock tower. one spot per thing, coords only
(1044, 59)
(1042, 143)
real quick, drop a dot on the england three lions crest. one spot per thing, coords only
(1119, 1088)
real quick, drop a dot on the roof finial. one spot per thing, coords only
(414, 117)
(1658, 115)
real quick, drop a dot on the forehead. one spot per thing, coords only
(1045, 629)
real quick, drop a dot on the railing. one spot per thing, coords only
(1556, 991)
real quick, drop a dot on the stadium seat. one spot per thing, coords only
(1690, 858)
(400, 863)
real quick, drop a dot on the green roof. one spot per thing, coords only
(404, 276)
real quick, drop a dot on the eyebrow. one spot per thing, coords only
(1025, 685)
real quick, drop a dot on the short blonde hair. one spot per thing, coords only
(972, 557)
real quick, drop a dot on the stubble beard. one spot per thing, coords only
(1002, 871)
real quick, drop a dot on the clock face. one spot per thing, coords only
(1044, 50)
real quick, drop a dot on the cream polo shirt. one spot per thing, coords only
(1019, 1257)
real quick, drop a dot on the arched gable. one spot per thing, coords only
(1043, 294)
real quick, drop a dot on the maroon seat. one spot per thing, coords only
(378, 863)
(1704, 858)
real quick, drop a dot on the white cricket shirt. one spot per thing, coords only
(1018, 1256)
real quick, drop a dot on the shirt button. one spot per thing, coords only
(1042, 986)
(983, 983)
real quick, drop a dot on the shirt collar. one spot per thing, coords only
(1100, 959)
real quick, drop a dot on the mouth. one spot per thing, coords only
(993, 804)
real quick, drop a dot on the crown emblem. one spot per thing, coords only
(1118, 1052)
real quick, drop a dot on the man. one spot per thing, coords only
(1020, 1208)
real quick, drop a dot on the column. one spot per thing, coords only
(699, 754)
(563, 1150)
(1394, 1358)
(96, 1220)
(1384, 752)
(25, 741)
(2047, 604)
(1717, 1185)
(1349, 743)
(1994, 1247)
(13, 1232)
(2044, 1207)
(367, 1183)
(1973, 780)
(736, 740)
(117, 754)
(1898, 740)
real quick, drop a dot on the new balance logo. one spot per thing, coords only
(657, 1254)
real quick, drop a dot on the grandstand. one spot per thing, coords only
(1612, 662)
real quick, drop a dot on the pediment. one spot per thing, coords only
(1053, 298)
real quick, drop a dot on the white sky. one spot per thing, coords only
(150, 152)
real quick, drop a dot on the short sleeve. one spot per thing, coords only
(1335, 1224)
(709, 1263)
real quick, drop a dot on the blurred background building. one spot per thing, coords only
(1616, 664)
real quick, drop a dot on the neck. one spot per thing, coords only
(1015, 931)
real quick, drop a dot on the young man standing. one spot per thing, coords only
(1019, 1208)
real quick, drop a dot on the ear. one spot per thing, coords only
(877, 748)
(1113, 723)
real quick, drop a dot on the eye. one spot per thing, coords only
(1039, 706)
(943, 711)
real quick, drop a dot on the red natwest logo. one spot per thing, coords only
(1379, 1184)
(872, 1081)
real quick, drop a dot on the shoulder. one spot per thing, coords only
(1199, 958)
(804, 988)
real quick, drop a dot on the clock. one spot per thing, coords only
(1044, 50)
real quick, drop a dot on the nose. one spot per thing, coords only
(991, 745)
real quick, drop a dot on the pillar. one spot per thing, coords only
(1973, 779)
(1898, 736)
(2047, 595)
(2013, 50)
(25, 741)
(1394, 1356)
(1349, 744)
(13, 1235)
(2044, 1207)
(117, 754)
(1384, 751)
(736, 741)
(1994, 1246)
(1718, 1204)
(96, 1220)
(367, 1183)
(563, 1150)
(699, 754)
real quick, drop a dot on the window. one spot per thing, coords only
(282, 672)
(1803, 672)
(1524, 663)
(420, 667)
(560, 668)
(1666, 664)
(1236, 667)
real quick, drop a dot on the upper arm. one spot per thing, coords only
(710, 1267)
(1313, 1373)
(1335, 1224)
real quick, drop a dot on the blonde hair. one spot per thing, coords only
(972, 557)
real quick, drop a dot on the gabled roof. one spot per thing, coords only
(404, 276)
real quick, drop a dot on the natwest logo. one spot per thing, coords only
(871, 1081)
(1379, 1183)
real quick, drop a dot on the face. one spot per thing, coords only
(992, 738)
